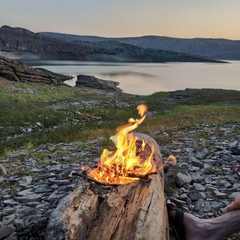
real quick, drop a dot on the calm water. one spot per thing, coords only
(147, 78)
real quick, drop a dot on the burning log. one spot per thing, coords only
(129, 211)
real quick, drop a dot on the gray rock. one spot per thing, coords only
(202, 154)
(3, 171)
(29, 198)
(233, 195)
(202, 206)
(199, 187)
(25, 192)
(220, 195)
(182, 179)
(19, 224)
(194, 196)
(10, 202)
(195, 162)
(8, 210)
(5, 231)
(42, 189)
(84, 81)
(26, 181)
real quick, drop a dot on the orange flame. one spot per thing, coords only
(124, 165)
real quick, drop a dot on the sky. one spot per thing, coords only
(126, 18)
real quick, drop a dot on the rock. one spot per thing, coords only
(194, 196)
(18, 223)
(84, 81)
(233, 195)
(26, 192)
(26, 181)
(28, 198)
(16, 71)
(42, 189)
(182, 179)
(202, 154)
(5, 231)
(199, 187)
(220, 195)
(10, 202)
(195, 162)
(3, 171)
(8, 210)
(203, 206)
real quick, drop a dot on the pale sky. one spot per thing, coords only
(126, 18)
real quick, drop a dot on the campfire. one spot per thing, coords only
(112, 202)
(126, 164)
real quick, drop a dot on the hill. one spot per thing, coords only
(222, 49)
(22, 41)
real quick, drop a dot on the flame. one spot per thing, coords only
(124, 165)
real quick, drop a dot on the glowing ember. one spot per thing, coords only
(124, 165)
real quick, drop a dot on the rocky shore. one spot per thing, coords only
(13, 70)
(204, 181)
(19, 72)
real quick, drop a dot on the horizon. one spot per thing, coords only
(73, 34)
(119, 19)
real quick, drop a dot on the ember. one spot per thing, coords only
(125, 165)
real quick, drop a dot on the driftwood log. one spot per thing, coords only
(131, 211)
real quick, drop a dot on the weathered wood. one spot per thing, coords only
(131, 211)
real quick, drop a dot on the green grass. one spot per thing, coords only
(44, 115)
(185, 116)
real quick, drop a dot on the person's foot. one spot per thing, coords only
(185, 225)
(176, 220)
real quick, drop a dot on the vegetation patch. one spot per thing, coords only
(33, 114)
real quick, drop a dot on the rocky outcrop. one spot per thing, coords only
(22, 41)
(17, 71)
(84, 81)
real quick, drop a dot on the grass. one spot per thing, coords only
(33, 114)
(185, 116)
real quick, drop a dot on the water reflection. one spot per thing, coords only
(147, 78)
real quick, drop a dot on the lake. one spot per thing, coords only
(147, 78)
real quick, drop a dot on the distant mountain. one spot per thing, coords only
(222, 49)
(25, 43)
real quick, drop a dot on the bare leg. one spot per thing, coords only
(210, 229)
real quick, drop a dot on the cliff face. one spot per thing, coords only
(21, 41)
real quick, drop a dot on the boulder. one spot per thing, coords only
(84, 81)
